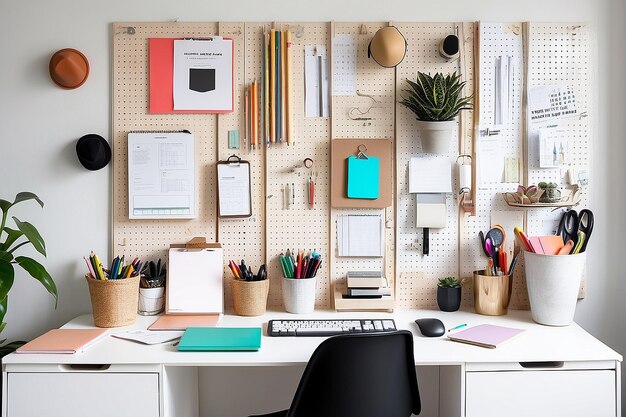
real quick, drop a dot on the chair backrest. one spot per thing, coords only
(360, 375)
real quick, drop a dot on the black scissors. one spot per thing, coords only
(568, 226)
(572, 222)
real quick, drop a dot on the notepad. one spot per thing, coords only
(221, 339)
(64, 341)
(183, 321)
(486, 335)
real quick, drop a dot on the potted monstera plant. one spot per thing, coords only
(435, 101)
(12, 239)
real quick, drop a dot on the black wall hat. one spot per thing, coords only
(93, 151)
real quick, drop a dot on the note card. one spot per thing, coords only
(430, 175)
(363, 177)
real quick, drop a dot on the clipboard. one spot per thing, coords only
(233, 188)
(195, 276)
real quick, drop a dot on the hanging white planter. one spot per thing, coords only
(435, 136)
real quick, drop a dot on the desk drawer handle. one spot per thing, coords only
(86, 367)
(547, 364)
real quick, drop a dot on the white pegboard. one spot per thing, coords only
(419, 289)
(496, 40)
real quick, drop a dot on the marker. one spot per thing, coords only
(457, 327)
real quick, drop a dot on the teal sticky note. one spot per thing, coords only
(233, 139)
(363, 177)
(220, 339)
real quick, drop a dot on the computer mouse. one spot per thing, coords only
(431, 327)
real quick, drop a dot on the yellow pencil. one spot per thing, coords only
(283, 86)
(99, 271)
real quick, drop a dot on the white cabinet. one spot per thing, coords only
(80, 394)
(539, 393)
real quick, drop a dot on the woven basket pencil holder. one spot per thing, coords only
(250, 297)
(114, 301)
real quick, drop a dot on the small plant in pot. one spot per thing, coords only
(435, 101)
(551, 192)
(449, 294)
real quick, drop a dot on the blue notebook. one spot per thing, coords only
(207, 339)
(363, 177)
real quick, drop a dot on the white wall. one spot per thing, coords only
(39, 124)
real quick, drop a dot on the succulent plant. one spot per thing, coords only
(449, 282)
(436, 98)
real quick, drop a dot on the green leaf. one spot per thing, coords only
(6, 256)
(12, 236)
(32, 235)
(5, 205)
(10, 347)
(7, 276)
(3, 312)
(24, 196)
(38, 271)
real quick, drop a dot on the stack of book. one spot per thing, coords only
(366, 284)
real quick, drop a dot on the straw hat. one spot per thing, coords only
(69, 68)
(93, 152)
(387, 47)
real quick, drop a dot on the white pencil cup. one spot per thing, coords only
(553, 282)
(299, 295)
(151, 301)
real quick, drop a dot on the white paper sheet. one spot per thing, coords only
(148, 337)
(549, 102)
(233, 181)
(360, 235)
(195, 281)
(430, 175)
(503, 90)
(203, 74)
(161, 176)
(491, 161)
(553, 147)
(344, 65)
(316, 81)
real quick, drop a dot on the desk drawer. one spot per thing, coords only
(550, 393)
(82, 394)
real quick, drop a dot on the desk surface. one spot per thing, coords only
(538, 343)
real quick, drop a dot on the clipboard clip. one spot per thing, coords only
(234, 160)
(196, 244)
(362, 149)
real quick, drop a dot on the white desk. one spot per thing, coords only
(118, 377)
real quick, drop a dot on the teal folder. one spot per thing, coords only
(363, 177)
(201, 339)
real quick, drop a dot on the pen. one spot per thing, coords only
(457, 327)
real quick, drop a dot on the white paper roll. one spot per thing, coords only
(465, 177)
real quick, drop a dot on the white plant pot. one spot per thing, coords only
(151, 301)
(435, 136)
(553, 282)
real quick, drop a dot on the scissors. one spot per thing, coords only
(572, 223)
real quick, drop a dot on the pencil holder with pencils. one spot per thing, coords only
(299, 280)
(113, 301)
(249, 291)
(491, 293)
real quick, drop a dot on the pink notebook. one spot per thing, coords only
(486, 335)
(63, 341)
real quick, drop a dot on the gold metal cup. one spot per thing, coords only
(491, 294)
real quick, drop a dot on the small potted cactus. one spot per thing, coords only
(551, 192)
(449, 294)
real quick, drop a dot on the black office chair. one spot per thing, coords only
(358, 375)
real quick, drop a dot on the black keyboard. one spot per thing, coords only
(332, 327)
